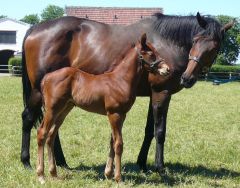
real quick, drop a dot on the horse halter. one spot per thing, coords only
(153, 67)
(194, 58)
(197, 60)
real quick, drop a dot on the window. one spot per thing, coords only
(8, 37)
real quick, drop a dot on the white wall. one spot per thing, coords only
(21, 29)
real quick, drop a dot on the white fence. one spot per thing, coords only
(12, 70)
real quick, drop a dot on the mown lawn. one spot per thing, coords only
(202, 143)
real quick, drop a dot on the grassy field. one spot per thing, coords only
(202, 143)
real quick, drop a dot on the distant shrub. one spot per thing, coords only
(225, 68)
(15, 65)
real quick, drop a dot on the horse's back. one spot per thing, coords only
(70, 41)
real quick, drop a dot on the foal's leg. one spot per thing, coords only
(160, 104)
(41, 139)
(51, 138)
(149, 134)
(109, 166)
(50, 144)
(116, 121)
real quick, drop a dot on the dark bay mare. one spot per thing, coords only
(187, 43)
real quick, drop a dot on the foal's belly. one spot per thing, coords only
(97, 107)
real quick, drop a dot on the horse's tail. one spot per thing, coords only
(26, 85)
(25, 79)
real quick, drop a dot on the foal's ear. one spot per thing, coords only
(201, 21)
(144, 40)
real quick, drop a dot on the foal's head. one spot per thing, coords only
(150, 59)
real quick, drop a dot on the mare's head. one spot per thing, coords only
(150, 59)
(205, 47)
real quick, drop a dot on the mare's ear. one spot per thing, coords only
(143, 40)
(201, 21)
(228, 26)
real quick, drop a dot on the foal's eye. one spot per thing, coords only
(150, 53)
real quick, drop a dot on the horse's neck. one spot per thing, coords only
(128, 69)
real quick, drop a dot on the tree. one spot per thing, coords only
(231, 44)
(31, 19)
(52, 12)
(2, 16)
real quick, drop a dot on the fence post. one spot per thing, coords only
(206, 76)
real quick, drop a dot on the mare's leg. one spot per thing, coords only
(58, 152)
(116, 121)
(41, 139)
(51, 138)
(30, 115)
(160, 104)
(109, 166)
(149, 134)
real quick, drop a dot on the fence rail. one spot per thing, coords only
(9, 69)
(224, 76)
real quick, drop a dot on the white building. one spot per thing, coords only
(12, 33)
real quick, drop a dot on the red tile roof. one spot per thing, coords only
(112, 15)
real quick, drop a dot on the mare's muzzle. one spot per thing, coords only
(187, 81)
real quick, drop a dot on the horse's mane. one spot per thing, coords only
(182, 29)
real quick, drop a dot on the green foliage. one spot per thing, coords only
(15, 65)
(238, 39)
(225, 68)
(31, 19)
(231, 43)
(52, 12)
(201, 147)
(2, 16)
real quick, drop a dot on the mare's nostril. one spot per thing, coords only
(183, 79)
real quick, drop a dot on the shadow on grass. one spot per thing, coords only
(176, 173)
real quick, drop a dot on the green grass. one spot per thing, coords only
(202, 143)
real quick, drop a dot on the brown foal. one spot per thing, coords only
(111, 94)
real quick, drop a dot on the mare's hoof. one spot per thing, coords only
(27, 166)
(142, 167)
(65, 166)
(26, 163)
(160, 170)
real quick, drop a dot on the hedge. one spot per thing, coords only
(15, 65)
(225, 68)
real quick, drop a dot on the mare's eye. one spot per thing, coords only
(205, 69)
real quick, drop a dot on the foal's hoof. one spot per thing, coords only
(41, 179)
(108, 173)
(118, 178)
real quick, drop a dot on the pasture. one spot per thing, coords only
(202, 143)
